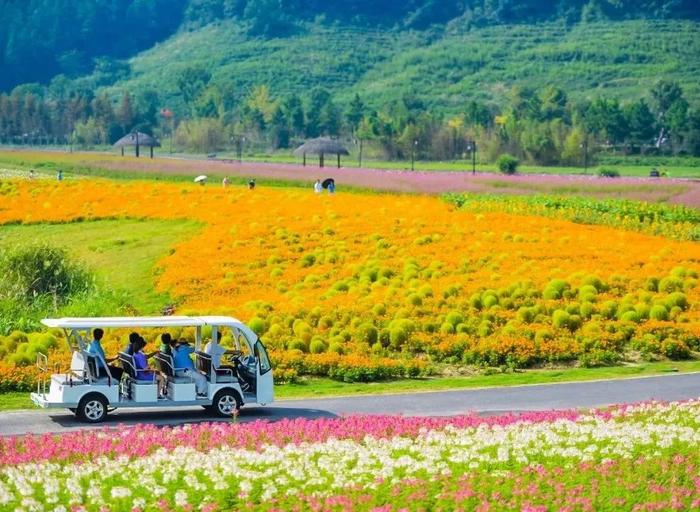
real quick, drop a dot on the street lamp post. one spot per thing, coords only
(241, 140)
(413, 155)
(471, 147)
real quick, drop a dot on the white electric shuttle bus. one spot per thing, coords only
(247, 377)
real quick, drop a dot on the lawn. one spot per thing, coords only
(122, 253)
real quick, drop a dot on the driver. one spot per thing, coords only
(216, 351)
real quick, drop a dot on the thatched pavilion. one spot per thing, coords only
(137, 139)
(322, 146)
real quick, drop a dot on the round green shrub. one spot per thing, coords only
(587, 309)
(397, 337)
(608, 309)
(475, 301)
(447, 328)
(631, 316)
(325, 322)
(257, 325)
(652, 284)
(454, 317)
(560, 319)
(555, 289)
(677, 299)
(490, 301)
(379, 309)
(670, 284)
(573, 309)
(317, 346)
(587, 292)
(658, 312)
(574, 322)
(463, 328)
(526, 315)
(507, 164)
(341, 286)
(368, 333)
(301, 327)
(298, 345)
(384, 337)
(543, 335)
(608, 172)
(485, 328)
(596, 282)
(414, 300)
(336, 348)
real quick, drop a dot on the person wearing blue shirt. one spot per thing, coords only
(102, 363)
(184, 367)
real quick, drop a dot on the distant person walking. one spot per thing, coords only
(251, 184)
(225, 182)
(59, 175)
(331, 187)
(31, 174)
(318, 188)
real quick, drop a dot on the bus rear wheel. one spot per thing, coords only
(92, 408)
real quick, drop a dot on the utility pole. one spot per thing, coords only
(359, 158)
(241, 140)
(413, 155)
(471, 147)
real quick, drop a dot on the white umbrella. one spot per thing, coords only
(200, 179)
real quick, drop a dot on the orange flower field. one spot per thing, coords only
(364, 286)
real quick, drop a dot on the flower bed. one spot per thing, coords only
(366, 287)
(640, 457)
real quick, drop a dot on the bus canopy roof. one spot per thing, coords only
(139, 321)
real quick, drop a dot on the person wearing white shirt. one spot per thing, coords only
(216, 351)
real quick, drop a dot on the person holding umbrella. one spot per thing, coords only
(329, 184)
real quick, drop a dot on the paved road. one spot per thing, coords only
(483, 401)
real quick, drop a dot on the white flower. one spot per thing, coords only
(120, 492)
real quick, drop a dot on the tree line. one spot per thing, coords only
(540, 126)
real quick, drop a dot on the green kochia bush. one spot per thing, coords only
(507, 164)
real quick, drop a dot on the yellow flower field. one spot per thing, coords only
(401, 276)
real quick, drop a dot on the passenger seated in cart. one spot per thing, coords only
(143, 371)
(103, 366)
(166, 344)
(133, 338)
(184, 367)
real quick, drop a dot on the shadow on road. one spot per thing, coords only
(189, 415)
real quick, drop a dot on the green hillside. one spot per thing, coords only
(443, 68)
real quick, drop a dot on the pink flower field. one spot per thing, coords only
(629, 457)
(678, 191)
